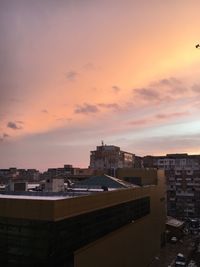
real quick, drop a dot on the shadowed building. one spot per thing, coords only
(182, 173)
(122, 227)
(108, 158)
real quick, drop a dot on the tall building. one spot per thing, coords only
(110, 228)
(108, 158)
(183, 182)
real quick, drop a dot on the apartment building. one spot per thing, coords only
(109, 158)
(183, 182)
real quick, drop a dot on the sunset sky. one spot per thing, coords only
(76, 72)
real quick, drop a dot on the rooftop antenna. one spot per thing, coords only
(102, 143)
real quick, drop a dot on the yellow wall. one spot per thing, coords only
(147, 175)
(134, 245)
(26, 209)
(64, 208)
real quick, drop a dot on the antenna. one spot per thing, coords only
(102, 143)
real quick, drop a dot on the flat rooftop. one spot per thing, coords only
(59, 207)
(72, 193)
(34, 197)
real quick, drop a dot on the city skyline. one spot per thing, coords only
(74, 74)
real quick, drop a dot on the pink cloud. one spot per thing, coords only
(158, 118)
(172, 115)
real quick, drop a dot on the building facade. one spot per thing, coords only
(11, 174)
(108, 158)
(110, 229)
(183, 182)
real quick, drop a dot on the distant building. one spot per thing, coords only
(182, 173)
(110, 228)
(108, 158)
(30, 175)
(68, 172)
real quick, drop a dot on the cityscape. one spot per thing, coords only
(99, 133)
(118, 195)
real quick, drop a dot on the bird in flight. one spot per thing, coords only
(198, 46)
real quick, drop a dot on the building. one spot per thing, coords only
(183, 182)
(68, 172)
(110, 228)
(30, 175)
(55, 184)
(18, 185)
(108, 158)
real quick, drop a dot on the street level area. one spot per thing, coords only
(188, 246)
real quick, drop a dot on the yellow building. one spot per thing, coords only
(123, 227)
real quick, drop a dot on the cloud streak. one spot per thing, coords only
(4, 136)
(172, 115)
(72, 75)
(164, 91)
(148, 94)
(44, 111)
(113, 106)
(151, 120)
(116, 89)
(86, 109)
(13, 126)
(196, 88)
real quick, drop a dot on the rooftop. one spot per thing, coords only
(104, 181)
(58, 207)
